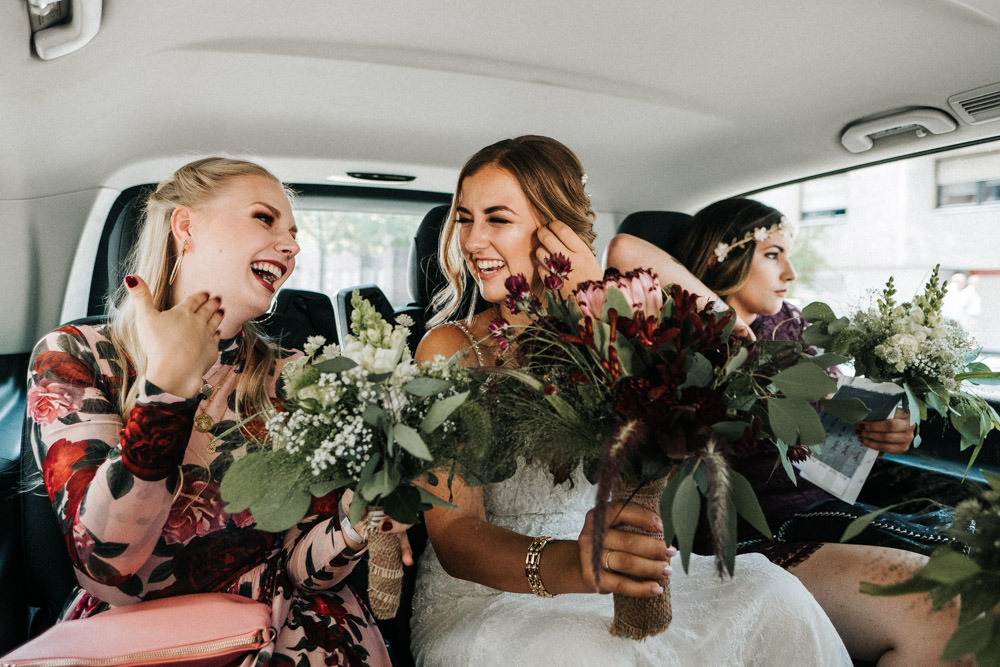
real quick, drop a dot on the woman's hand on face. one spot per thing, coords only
(558, 237)
(181, 343)
(631, 564)
(892, 436)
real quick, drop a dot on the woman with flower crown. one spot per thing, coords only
(494, 585)
(134, 423)
(737, 250)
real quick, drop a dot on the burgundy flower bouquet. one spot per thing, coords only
(649, 392)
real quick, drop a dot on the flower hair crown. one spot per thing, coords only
(757, 234)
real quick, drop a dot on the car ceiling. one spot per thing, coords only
(668, 104)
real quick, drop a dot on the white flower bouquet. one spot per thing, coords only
(362, 416)
(914, 346)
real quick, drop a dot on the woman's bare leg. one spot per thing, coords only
(899, 630)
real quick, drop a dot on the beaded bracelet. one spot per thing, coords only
(531, 563)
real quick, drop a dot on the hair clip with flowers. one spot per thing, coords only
(757, 234)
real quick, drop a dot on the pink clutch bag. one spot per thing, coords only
(196, 629)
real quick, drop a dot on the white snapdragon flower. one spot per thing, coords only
(312, 344)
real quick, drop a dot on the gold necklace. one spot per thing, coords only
(203, 422)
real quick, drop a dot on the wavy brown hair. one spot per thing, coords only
(551, 177)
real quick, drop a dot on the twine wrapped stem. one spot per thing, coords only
(385, 568)
(638, 618)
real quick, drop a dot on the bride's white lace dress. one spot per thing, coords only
(762, 616)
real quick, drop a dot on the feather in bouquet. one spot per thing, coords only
(913, 345)
(648, 393)
(362, 416)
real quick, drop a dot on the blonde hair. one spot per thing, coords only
(153, 258)
(552, 179)
(721, 222)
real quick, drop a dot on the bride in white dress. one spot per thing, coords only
(762, 616)
(474, 603)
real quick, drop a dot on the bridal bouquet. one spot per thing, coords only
(914, 346)
(362, 416)
(648, 393)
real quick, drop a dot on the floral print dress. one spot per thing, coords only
(141, 514)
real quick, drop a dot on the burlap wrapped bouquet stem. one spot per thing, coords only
(638, 618)
(385, 568)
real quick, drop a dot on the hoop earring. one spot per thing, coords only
(266, 319)
(177, 264)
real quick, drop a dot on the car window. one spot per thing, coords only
(353, 240)
(901, 218)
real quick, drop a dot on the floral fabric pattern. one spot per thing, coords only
(140, 510)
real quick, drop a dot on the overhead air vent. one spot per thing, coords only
(977, 106)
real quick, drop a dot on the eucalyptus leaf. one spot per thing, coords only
(745, 501)
(828, 359)
(855, 528)
(428, 498)
(737, 361)
(320, 489)
(284, 503)
(241, 486)
(817, 311)
(441, 410)
(970, 638)
(980, 593)
(699, 372)
(427, 386)
(918, 411)
(410, 440)
(379, 485)
(335, 365)
(947, 566)
(684, 516)
(786, 465)
(794, 420)
(850, 410)
(667, 501)
(915, 584)
(375, 415)
(402, 504)
(804, 380)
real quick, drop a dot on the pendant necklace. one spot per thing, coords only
(203, 422)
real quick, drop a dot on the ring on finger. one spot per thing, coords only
(607, 560)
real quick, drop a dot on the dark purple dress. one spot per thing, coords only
(779, 497)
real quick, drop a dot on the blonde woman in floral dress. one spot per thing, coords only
(518, 201)
(738, 249)
(132, 424)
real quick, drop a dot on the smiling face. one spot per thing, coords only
(497, 226)
(240, 246)
(767, 282)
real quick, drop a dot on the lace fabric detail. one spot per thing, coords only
(763, 616)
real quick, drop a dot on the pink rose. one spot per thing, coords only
(590, 297)
(49, 401)
(196, 513)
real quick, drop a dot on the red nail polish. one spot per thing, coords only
(385, 526)
(131, 281)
